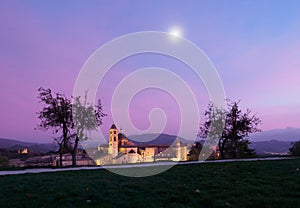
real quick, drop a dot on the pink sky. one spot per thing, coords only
(254, 46)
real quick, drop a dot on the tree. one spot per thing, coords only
(213, 127)
(233, 142)
(85, 119)
(56, 114)
(72, 120)
(195, 151)
(4, 162)
(295, 149)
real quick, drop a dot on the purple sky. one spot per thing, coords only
(254, 45)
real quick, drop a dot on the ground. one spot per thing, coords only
(234, 184)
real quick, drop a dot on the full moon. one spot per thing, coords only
(175, 32)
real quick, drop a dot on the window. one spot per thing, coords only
(115, 139)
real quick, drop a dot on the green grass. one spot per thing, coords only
(238, 184)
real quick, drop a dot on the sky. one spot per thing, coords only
(254, 46)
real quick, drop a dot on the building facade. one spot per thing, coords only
(121, 150)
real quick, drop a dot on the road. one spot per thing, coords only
(46, 170)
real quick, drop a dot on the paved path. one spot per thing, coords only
(46, 170)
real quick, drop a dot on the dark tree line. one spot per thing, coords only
(236, 125)
(71, 121)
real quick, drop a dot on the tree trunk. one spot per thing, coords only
(60, 159)
(221, 149)
(235, 156)
(74, 153)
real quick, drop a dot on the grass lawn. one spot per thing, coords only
(237, 184)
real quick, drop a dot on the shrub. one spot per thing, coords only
(4, 161)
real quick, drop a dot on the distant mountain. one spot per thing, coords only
(271, 147)
(276, 141)
(262, 148)
(42, 147)
(11, 144)
(8, 143)
(287, 134)
(158, 139)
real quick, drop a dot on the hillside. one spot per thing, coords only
(12, 144)
(287, 134)
(261, 147)
(158, 139)
(271, 147)
(8, 143)
(270, 184)
(266, 142)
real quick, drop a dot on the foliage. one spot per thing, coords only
(85, 119)
(212, 128)
(237, 125)
(195, 151)
(56, 114)
(4, 162)
(295, 149)
(72, 120)
(269, 184)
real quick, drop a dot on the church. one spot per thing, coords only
(121, 150)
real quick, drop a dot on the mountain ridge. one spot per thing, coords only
(12, 144)
(287, 134)
(155, 138)
(276, 140)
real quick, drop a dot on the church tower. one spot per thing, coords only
(113, 141)
(178, 150)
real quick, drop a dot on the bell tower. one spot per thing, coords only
(178, 150)
(113, 141)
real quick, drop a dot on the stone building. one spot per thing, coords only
(121, 150)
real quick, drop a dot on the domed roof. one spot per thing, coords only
(113, 126)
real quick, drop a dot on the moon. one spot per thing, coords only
(175, 32)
